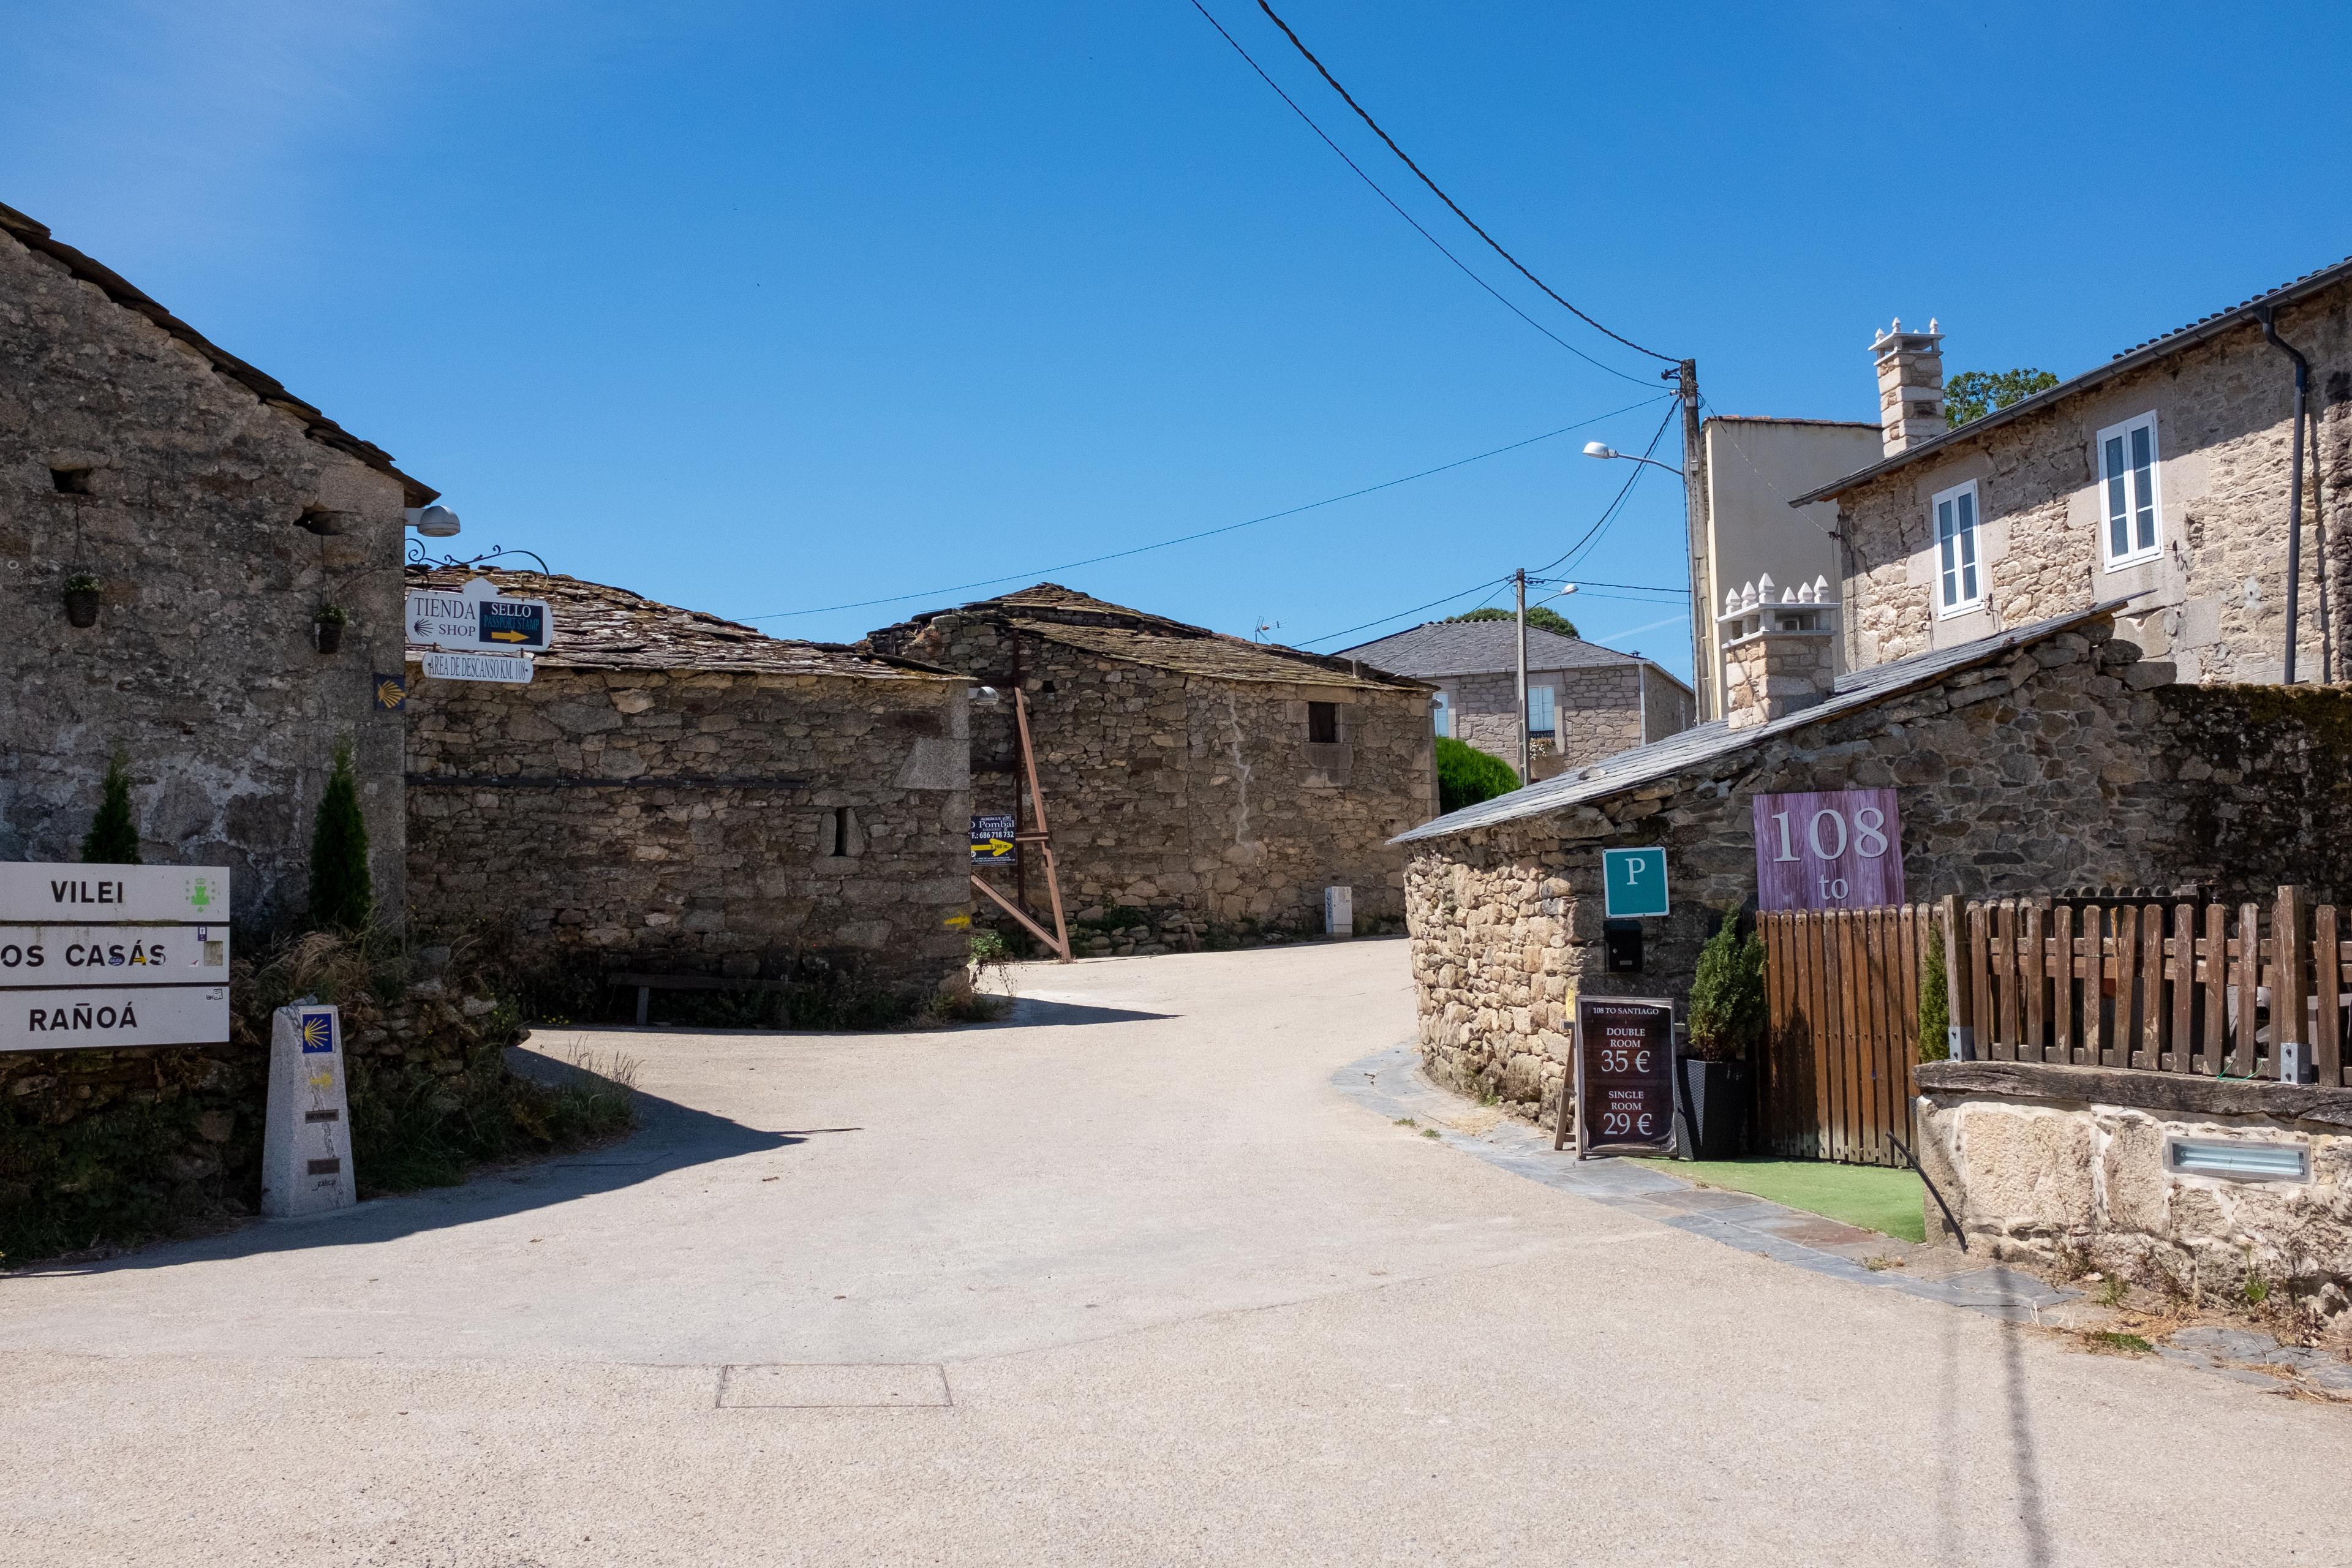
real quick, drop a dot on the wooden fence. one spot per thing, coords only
(1843, 988)
(2178, 987)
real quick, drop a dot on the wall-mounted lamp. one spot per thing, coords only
(2243, 1161)
(432, 521)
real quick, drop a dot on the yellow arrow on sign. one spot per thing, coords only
(510, 637)
(996, 846)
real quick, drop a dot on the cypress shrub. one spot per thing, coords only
(113, 836)
(1935, 1001)
(1466, 775)
(1728, 1010)
(342, 896)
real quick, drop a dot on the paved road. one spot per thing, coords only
(1122, 1280)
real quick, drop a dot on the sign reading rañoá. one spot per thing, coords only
(112, 955)
(475, 619)
(1838, 849)
(1625, 1075)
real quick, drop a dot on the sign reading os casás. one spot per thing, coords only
(112, 955)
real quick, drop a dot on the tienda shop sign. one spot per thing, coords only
(1833, 849)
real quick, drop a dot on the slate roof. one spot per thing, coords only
(34, 236)
(602, 628)
(2202, 330)
(1096, 626)
(1486, 647)
(1854, 691)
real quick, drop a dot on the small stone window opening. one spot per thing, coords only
(838, 835)
(1323, 723)
(70, 481)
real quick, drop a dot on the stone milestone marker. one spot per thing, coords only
(306, 1142)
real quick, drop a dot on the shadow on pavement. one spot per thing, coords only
(669, 1137)
(1035, 1011)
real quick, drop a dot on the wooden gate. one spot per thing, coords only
(1844, 989)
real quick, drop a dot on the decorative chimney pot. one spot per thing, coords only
(1779, 652)
(1910, 386)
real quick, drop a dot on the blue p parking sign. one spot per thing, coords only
(1633, 883)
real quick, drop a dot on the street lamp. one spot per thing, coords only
(1602, 449)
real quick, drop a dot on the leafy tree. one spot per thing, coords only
(1466, 775)
(1935, 1002)
(1728, 1010)
(1973, 394)
(341, 896)
(1540, 618)
(113, 837)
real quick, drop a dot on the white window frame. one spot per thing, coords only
(2148, 502)
(1964, 501)
(1551, 707)
(1441, 712)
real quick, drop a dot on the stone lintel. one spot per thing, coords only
(2188, 1093)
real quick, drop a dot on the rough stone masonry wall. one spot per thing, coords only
(691, 877)
(2062, 1163)
(201, 667)
(1198, 801)
(2217, 598)
(2056, 768)
(1597, 712)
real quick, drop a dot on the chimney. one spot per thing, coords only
(1910, 386)
(1780, 650)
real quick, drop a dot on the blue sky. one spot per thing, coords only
(762, 308)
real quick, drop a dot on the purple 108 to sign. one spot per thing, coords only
(1838, 849)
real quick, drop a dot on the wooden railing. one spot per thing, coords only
(2166, 987)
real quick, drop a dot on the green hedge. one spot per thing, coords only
(1466, 775)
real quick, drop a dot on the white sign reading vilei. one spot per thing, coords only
(112, 955)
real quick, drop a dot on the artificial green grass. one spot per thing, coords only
(1870, 1196)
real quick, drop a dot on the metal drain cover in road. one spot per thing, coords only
(805, 1387)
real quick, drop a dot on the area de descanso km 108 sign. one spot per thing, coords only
(1624, 1075)
(112, 956)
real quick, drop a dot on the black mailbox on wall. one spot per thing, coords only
(1620, 944)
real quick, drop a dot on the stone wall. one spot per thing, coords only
(1597, 711)
(186, 495)
(1181, 795)
(2067, 1164)
(2056, 766)
(2215, 602)
(687, 821)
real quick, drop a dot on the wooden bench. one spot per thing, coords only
(648, 984)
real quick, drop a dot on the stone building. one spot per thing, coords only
(2047, 756)
(219, 513)
(1201, 779)
(673, 792)
(2163, 477)
(1584, 701)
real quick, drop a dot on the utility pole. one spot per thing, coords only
(1527, 748)
(1705, 679)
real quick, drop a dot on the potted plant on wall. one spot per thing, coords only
(329, 626)
(83, 594)
(1728, 1017)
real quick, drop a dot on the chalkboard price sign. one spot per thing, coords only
(1624, 1075)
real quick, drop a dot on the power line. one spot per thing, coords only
(1442, 196)
(1039, 571)
(1400, 211)
(1592, 534)
(1401, 615)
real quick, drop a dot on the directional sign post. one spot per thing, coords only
(993, 843)
(112, 955)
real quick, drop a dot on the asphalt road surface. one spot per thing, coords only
(1123, 1280)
